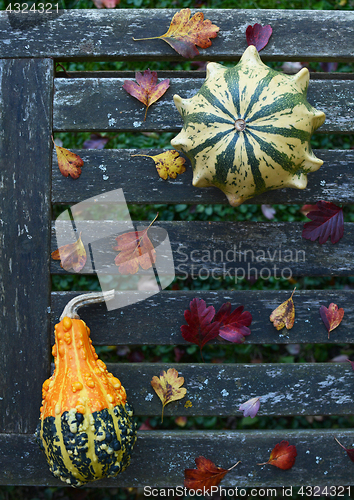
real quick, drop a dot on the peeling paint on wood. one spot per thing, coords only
(139, 180)
(84, 103)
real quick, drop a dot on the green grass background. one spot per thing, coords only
(215, 353)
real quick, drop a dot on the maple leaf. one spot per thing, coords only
(205, 475)
(332, 316)
(168, 163)
(147, 90)
(350, 451)
(168, 387)
(326, 221)
(250, 407)
(185, 33)
(282, 456)
(284, 315)
(71, 256)
(200, 329)
(69, 163)
(135, 250)
(233, 325)
(258, 35)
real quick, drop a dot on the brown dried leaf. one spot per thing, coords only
(206, 475)
(71, 256)
(168, 387)
(185, 33)
(284, 315)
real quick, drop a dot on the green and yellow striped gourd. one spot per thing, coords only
(248, 129)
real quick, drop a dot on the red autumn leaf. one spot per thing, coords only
(258, 35)
(135, 250)
(282, 456)
(109, 4)
(350, 451)
(185, 33)
(332, 316)
(147, 90)
(351, 362)
(69, 163)
(205, 476)
(201, 328)
(326, 221)
(233, 325)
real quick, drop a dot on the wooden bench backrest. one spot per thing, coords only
(32, 105)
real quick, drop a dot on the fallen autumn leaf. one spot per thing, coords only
(168, 387)
(205, 475)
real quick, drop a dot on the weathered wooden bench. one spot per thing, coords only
(33, 104)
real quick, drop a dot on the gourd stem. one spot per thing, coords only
(70, 310)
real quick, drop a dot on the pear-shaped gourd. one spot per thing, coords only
(248, 129)
(86, 429)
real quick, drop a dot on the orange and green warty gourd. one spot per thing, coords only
(86, 427)
(248, 129)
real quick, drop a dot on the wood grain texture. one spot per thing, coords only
(102, 104)
(108, 169)
(235, 249)
(25, 116)
(319, 459)
(136, 324)
(298, 35)
(219, 389)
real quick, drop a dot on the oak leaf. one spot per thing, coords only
(284, 315)
(350, 451)
(71, 256)
(168, 387)
(147, 90)
(135, 250)
(250, 407)
(233, 325)
(69, 163)
(326, 221)
(332, 316)
(200, 328)
(258, 35)
(185, 33)
(206, 475)
(282, 456)
(168, 163)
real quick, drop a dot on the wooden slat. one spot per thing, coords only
(319, 459)
(25, 116)
(219, 389)
(102, 104)
(115, 327)
(243, 249)
(298, 35)
(105, 170)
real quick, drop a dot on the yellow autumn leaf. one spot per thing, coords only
(71, 256)
(168, 387)
(69, 163)
(168, 163)
(284, 315)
